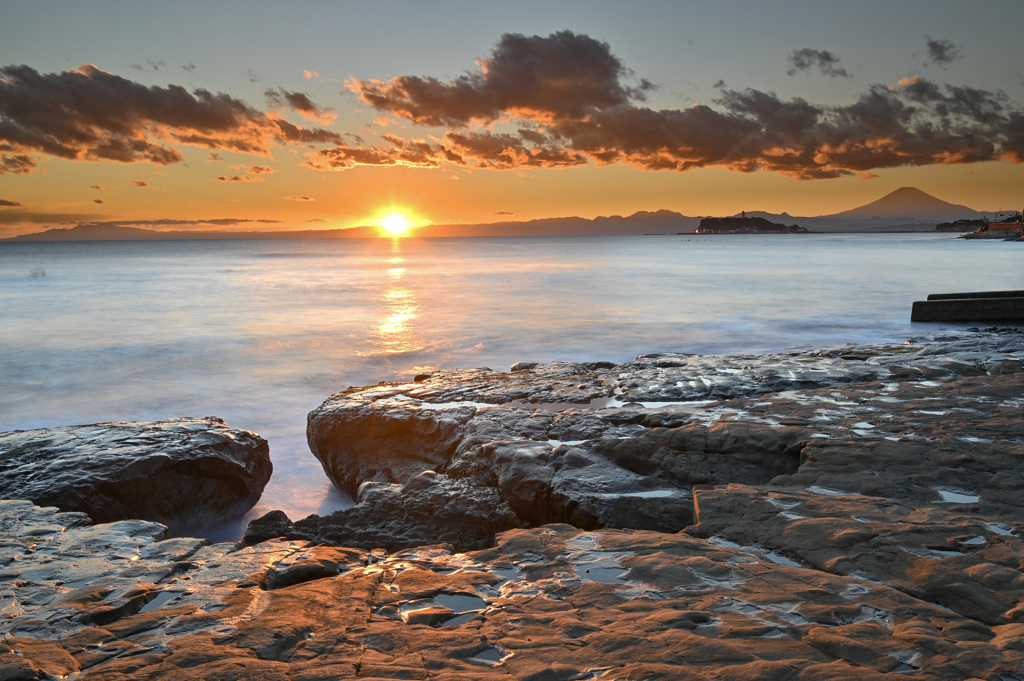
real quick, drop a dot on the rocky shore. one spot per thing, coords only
(186, 473)
(845, 514)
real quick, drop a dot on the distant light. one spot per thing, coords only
(395, 224)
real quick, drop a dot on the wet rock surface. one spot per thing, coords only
(121, 601)
(428, 509)
(847, 514)
(623, 446)
(183, 472)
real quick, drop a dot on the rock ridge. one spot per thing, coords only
(604, 445)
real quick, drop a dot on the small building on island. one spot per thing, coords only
(1008, 227)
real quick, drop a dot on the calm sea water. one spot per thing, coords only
(260, 332)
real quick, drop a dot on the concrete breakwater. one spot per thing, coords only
(983, 306)
(843, 514)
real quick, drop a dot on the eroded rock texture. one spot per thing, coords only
(601, 445)
(851, 514)
(183, 472)
(119, 602)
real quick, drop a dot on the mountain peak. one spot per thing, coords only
(909, 202)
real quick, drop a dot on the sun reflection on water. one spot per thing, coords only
(395, 331)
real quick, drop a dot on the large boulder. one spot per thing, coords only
(186, 473)
(358, 441)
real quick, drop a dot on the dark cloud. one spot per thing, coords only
(240, 178)
(416, 153)
(190, 67)
(16, 164)
(260, 170)
(150, 65)
(1013, 144)
(214, 156)
(301, 103)
(180, 224)
(941, 51)
(568, 102)
(64, 219)
(493, 150)
(140, 184)
(23, 216)
(502, 212)
(299, 197)
(168, 222)
(317, 220)
(562, 76)
(98, 201)
(96, 186)
(807, 59)
(87, 114)
(8, 202)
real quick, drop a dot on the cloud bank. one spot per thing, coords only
(557, 101)
(572, 102)
(86, 114)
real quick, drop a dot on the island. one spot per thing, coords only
(746, 225)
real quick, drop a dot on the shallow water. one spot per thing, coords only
(260, 332)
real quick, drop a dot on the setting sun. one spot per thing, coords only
(395, 224)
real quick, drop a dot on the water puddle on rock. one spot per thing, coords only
(828, 492)
(953, 495)
(934, 554)
(756, 552)
(972, 541)
(593, 565)
(161, 599)
(491, 656)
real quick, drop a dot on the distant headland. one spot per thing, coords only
(904, 210)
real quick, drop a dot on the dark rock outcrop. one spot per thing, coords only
(622, 446)
(429, 509)
(183, 472)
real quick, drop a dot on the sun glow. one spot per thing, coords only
(395, 224)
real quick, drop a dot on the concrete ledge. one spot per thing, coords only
(1003, 306)
(977, 294)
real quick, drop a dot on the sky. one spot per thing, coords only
(311, 115)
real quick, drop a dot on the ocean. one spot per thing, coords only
(261, 332)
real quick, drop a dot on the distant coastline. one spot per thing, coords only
(904, 210)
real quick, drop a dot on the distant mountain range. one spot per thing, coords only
(906, 209)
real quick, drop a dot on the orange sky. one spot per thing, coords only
(574, 111)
